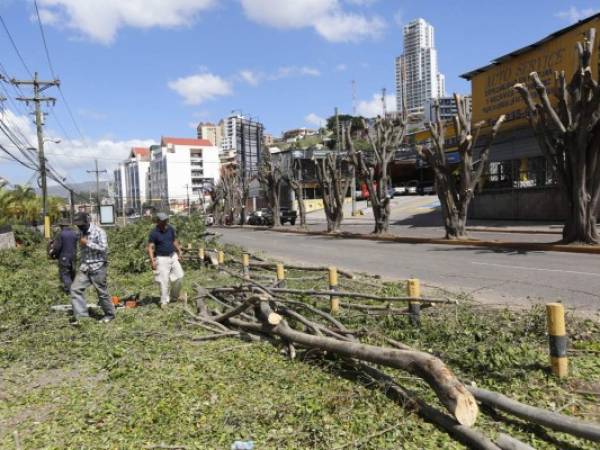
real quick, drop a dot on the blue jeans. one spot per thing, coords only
(84, 280)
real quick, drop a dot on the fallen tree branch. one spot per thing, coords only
(552, 420)
(506, 442)
(453, 395)
(298, 267)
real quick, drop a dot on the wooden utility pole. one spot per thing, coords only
(97, 172)
(187, 190)
(38, 87)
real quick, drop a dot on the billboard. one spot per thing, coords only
(492, 87)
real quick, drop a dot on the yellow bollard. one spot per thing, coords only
(246, 265)
(557, 334)
(47, 227)
(413, 290)
(201, 257)
(189, 246)
(221, 257)
(280, 275)
(333, 285)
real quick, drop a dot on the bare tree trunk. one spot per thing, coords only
(298, 191)
(372, 170)
(334, 186)
(568, 133)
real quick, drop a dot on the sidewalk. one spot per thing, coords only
(420, 217)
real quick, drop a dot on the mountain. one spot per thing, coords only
(83, 188)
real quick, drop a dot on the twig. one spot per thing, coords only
(212, 337)
(358, 443)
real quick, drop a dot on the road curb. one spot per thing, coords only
(501, 245)
(514, 231)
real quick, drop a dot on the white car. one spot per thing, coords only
(399, 190)
(411, 187)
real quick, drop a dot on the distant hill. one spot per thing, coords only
(85, 187)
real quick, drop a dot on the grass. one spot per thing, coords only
(143, 381)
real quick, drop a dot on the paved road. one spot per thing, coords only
(492, 276)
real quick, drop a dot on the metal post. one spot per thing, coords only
(333, 286)
(557, 335)
(246, 265)
(413, 290)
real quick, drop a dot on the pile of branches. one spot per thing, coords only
(257, 312)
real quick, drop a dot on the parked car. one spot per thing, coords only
(287, 215)
(426, 188)
(411, 187)
(390, 192)
(399, 190)
(264, 217)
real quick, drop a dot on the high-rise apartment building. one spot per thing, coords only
(211, 132)
(242, 143)
(136, 178)
(417, 77)
(182, 172)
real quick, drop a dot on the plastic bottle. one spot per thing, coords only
(242, 445)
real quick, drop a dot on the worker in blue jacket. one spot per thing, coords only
(64, 249)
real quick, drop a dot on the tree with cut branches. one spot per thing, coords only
(334, 183)
(292, 175)
(456, 194)
(569, 137)
(371, 166)
(270, 177)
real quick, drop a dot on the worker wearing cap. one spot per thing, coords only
(93, 245)
(164, 252)
(64, 249)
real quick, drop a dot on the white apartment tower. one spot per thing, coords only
(417, 77)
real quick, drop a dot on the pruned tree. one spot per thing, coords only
(292, 174)
(270, 177)
(372, 165)
(455, 193)
(569, 137)
(227, 196)
(334, 183)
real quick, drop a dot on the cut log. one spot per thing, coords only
(453, 395)
(470, 437)
(360, 295)
(266, 315)
(306, 268)
(247, 304)
(552, 420)
(506, 442)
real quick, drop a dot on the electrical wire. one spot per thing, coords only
(14, 45)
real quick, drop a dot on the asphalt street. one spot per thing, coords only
(491, 276)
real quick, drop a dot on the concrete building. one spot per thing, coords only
(211, 132)
(182, 172)
(520, 183)
(417, 75)
(120, 188)
(296, 134)
(136, 178)
(242, 143)
(447, 108)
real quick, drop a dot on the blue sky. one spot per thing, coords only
(133, 70)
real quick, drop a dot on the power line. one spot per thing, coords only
(12, 41)
(51, 67)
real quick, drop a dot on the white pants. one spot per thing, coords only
(168, 271)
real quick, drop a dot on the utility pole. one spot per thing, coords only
(72, 199)
(383, 103)
(337, 130)
(38, 87)
(97, 172)
(187, 190)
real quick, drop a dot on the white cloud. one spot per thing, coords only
(342, 27)
(250, 77)
(361, 2)
(326, 17)
(374, 107)
(100, 20)
(399, 18)
(91, 114)
(574, 14)
(315, 120)
(341, 67)
(74, 155)
(199, 88)
(294, 71)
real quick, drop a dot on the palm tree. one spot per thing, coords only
(6, 202)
